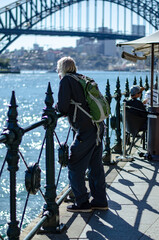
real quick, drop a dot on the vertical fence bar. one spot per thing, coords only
(124, 157)
(127, 91)
(135, 81)
(140, 84)
(117, 148)
(107, 153)
(152, 72)
(124, 130)
(146, 86)
(50, 193)
(14, 133)
(156, 81)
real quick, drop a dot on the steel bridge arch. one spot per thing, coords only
(147, 9)
(23, 15)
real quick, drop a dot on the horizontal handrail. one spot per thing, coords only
(5, 135)
(3, 139)
(32, 233)
(37, 227)
(35, 125)
(61, 199)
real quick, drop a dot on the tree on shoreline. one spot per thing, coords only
(4, 63)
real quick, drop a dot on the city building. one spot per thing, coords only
(138, 30)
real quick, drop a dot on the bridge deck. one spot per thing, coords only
(133, 207)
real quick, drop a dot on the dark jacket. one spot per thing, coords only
(138, 108)
(71, 89)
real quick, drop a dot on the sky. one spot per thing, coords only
(27, 41)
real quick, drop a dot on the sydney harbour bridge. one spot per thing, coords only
(100, 19)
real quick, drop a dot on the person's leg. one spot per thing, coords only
(76, 174)
(81, 152)
(97, 178)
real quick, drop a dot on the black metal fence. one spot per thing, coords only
(12, 137)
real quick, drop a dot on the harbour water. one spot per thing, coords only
(30, 88)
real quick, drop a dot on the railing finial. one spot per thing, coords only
(49, 101)
(12, 113)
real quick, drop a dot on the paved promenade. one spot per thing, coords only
(133, 198)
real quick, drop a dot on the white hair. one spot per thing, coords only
(65, 65)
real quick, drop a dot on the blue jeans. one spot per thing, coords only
(85, 154)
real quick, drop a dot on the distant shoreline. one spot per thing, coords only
(9, 71)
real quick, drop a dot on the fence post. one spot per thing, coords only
(146, 84)
(117, 148)
(14, 135)
(52, 225)
(135, 81)
(140, 83)
(107, 153)
(127, 91)
(156, 83)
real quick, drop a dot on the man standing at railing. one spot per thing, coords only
(85, 153)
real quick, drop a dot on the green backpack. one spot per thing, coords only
(98, 105)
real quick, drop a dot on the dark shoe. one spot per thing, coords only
(98, 207)
(84, 207)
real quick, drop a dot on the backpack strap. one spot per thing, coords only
(98, 140)
(77, 105)
(72, 75)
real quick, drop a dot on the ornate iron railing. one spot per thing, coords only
(12, 137)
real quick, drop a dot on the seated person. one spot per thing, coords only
(136, 106)
(147, 97)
